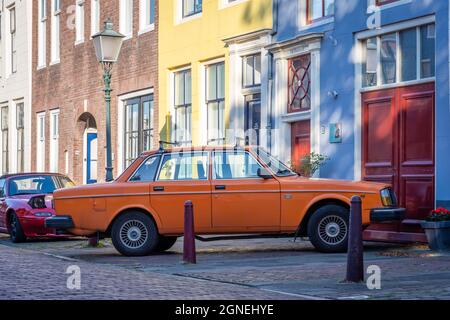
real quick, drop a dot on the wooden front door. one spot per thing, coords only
(301, 141)
(398, 145)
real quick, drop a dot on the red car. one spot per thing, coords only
(25, 203)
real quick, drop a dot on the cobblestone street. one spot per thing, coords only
(267, 269)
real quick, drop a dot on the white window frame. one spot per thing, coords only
(54, 140)
(56, 40)
(40, 141)
(20, 167)
(179, 18)
(42, 34)
(9, 39)
(79, 21)
(95, 16)
(223, 4)
(144, 26)
(126, 18)
(173, 107)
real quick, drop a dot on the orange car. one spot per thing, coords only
(234, 191)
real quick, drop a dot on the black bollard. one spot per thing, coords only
(189, 255)
(355, 258)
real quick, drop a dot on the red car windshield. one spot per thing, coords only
(35, 184)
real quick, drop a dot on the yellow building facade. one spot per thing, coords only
(200, 67)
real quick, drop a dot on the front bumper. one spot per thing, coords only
(60, 222)
(387, 214)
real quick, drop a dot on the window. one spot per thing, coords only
(126, 17)
(54, 140)
(234, 165)
(411, 52)
(317, 9)
(20, 125)
(40, 143)
(79, 21)
(252, 119)
(5, 139)
(42, 33)
(183, 107)
(147, 170)
(184, 166)
(2, 188)
(251, 71)
(138, 127)
(56, 11)
(95, 17)
(12, 29)
(191, 7)
(147, 15)
(300, 84)
(215, 101)
(34, 184)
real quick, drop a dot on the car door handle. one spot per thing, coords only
(158, 189)
(221, 187)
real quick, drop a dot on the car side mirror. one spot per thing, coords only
(264, 173)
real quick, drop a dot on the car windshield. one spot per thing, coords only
(32, 185)
(278, 167)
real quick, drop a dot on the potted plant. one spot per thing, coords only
(310, 164)
(437, 229)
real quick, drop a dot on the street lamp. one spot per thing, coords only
(107, 46)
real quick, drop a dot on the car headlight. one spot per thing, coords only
(37, 203)
(43, 214)
(388, 197)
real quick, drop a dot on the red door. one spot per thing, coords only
(398, 147)
(301, 141)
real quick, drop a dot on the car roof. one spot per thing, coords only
(25, 174)
(202, 148)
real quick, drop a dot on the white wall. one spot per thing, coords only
(16, 88)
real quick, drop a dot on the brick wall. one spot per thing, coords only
(75, 84)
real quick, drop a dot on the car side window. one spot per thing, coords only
(184, 166)
(234, 165)
(2, 188)
(147, 171)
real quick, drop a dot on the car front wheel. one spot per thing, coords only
(328, 229)
(135, 234)
(15, 230)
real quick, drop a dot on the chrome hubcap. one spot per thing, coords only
(332, 230)
(133, 234)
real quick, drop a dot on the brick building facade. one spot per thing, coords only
(68, 108)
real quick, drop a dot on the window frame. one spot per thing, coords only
(5, 144)
(42, 35)
(144, 7)
(20, 127)
(95, 16)
(191, 153)
(218, 100)
(187, 105)
(292, 98)
(126, 18)
(13, 34)
(56, 32)
(80, 12)
(254, 83)
(309, 20)
(213, 174)
(140, 131)
(194, 12)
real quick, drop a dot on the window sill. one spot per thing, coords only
(55, 62)
(78, 42)
(189, 18)
(394, 4)
(41, 67)
(318, 23)
(127, 37)
(146, 29)
(397, 84)
(251, 90)
(224, 4)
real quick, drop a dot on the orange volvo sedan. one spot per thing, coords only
(234, 190)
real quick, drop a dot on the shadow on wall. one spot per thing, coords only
(165, 133)
(256, 12)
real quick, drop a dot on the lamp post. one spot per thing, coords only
(107, 44)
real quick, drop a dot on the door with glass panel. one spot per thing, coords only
(91, 157)
(252, 119)
(139, 121)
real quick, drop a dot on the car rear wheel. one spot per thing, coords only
(165, 243)
(135, 234)
(15, 230)
(328, 229)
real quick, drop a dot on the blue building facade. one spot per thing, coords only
(366, 82)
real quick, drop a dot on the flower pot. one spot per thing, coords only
(438, 235)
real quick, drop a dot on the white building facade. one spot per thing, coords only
(15, 85)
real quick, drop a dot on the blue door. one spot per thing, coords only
(91, 158)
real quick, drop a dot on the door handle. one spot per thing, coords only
(158, 189)
(221, 187)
